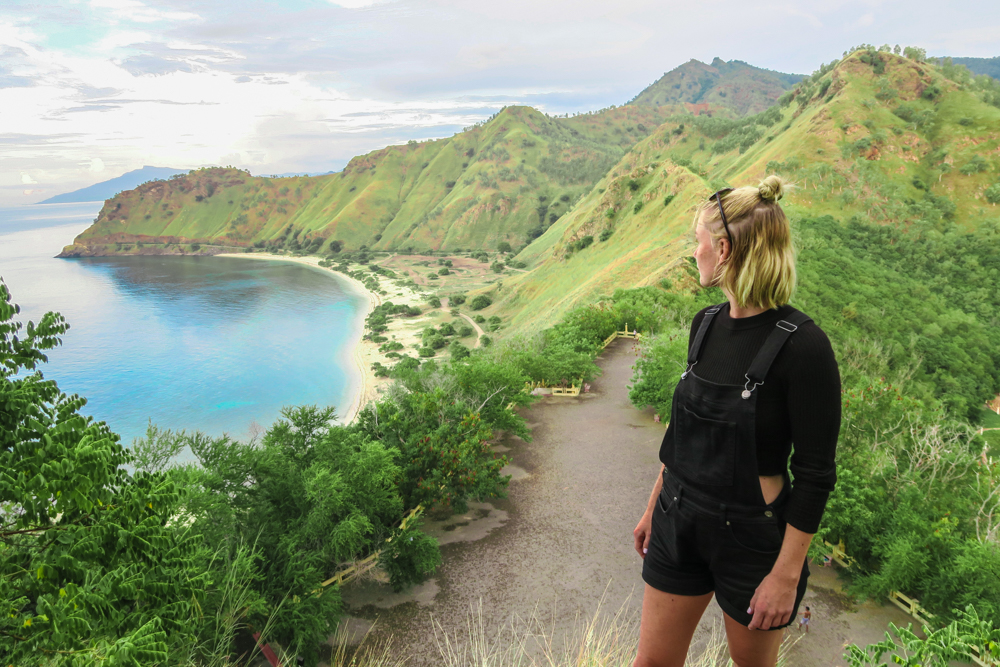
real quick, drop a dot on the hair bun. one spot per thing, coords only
(771, 188)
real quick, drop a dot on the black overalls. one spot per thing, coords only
(712, 530)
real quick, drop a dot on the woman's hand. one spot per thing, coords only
(773, 601)
(641, 533)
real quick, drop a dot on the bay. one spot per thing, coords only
(214, 344)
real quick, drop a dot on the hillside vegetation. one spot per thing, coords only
(735, 87)
(506, 180)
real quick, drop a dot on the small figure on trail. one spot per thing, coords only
(804, 621)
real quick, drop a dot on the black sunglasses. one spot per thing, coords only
(725, 224)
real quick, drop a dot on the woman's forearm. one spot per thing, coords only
(793, 553)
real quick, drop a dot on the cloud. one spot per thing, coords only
(354, 4)
(136, 11)
(27, 179)
(303, 85)
(96, 165)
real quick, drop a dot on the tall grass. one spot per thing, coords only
(601, 641)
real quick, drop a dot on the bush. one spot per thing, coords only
(498, 267)
(503, 246)
(434, 302)
(992, 194)
(457, 350)
(606, 234)
(456, 299)
(667, 200)
(481, 301)
(443, 271)
(637, 207)
(446, 329)
(426, 352)
(466, 331)
(485, 341)
(478, 319)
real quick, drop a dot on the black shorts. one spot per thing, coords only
(698, 546)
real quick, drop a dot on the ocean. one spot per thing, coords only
(211, 344)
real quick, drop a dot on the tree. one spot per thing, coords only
(503, 246)
(89, 561)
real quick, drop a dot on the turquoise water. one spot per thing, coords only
(198, 343)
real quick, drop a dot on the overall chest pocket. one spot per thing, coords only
(705, 449)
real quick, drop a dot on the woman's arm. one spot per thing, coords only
(641, 532)
(774, 599)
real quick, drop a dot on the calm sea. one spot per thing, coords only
(198, 343)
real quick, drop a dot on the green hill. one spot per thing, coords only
(882, 148)
(887, 142)
(504, 180)
(734, 87)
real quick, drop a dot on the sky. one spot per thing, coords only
(90, 89)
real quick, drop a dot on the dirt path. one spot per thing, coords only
(479, 330)
(562, 539)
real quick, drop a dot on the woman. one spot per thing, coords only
(723, 518)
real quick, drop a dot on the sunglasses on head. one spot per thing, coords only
(717, 196)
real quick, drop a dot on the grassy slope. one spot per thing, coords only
(469, 191)
(734, 86)
(815, 143)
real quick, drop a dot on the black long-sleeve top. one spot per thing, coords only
(798, 403)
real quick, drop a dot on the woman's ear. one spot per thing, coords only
(724, 250)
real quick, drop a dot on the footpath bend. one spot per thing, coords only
(560, 544)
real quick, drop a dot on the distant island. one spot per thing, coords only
(108, 189)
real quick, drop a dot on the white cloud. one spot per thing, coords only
(27, 179)
(355, 4)
(96, 166)
(282, 86)
(133, 10)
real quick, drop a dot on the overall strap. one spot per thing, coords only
(699, 338)
(772, 346)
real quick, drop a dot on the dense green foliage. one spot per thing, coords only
(927, 292)
(92, 570)
(152, 567)
(968, 636)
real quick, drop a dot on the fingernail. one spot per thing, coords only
(645, 550)
(749, 610)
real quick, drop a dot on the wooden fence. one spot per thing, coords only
(620, 334)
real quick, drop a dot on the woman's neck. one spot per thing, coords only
(736, 311)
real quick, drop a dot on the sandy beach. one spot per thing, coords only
(367, 385)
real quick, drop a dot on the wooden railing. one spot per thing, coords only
(359, 567)
(619, 334)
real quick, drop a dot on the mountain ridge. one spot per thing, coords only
(111, 187)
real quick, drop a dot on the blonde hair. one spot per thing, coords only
(760, 269)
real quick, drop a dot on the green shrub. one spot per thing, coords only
(434, 302)
(606, 234)
(992, 194)
(480, 301)
(426, 352)
(457, 350)
(637, 207)
(456, 299)
(667, 200)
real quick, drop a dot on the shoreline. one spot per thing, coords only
(367, 383)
